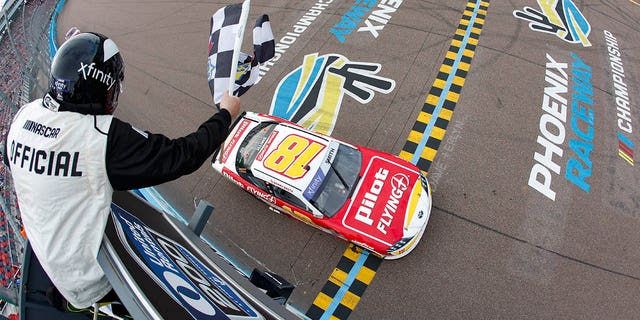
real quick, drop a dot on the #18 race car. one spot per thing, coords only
(373, 199)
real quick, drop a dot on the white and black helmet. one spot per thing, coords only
(87, 75)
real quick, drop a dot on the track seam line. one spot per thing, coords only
(486, 227)
(172, 86)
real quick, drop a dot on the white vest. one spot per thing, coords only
(58, 164)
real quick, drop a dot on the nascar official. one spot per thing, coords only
(67, 153)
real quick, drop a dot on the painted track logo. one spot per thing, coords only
(622, 98)
(559, 17)
(311, 95)
(374, 18)
(183, 276)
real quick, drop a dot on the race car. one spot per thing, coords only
(373, 199)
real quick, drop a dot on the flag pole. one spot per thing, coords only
(238, 44)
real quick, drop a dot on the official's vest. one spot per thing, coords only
(57, 161)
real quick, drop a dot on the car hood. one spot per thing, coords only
(384, 200)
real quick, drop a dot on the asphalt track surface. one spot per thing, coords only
(497, 245)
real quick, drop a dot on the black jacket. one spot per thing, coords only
(140, 159)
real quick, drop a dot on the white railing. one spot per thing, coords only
(8, 10)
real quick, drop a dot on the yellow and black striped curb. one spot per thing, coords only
(429, 129)
(348, 281)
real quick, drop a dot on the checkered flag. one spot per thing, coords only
(263, 49)
(227, 26)
(263, 43)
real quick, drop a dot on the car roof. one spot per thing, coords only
(287, 151)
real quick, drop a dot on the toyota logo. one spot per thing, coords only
(400, 181)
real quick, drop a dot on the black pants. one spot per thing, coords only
(57, 300)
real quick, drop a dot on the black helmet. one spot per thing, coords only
(86, 75)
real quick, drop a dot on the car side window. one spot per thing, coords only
(248, 176)
(288, 197)
(259, 183)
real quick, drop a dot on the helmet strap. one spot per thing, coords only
(83, 108)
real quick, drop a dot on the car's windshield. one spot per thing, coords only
(252, 144)
(341, 178)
